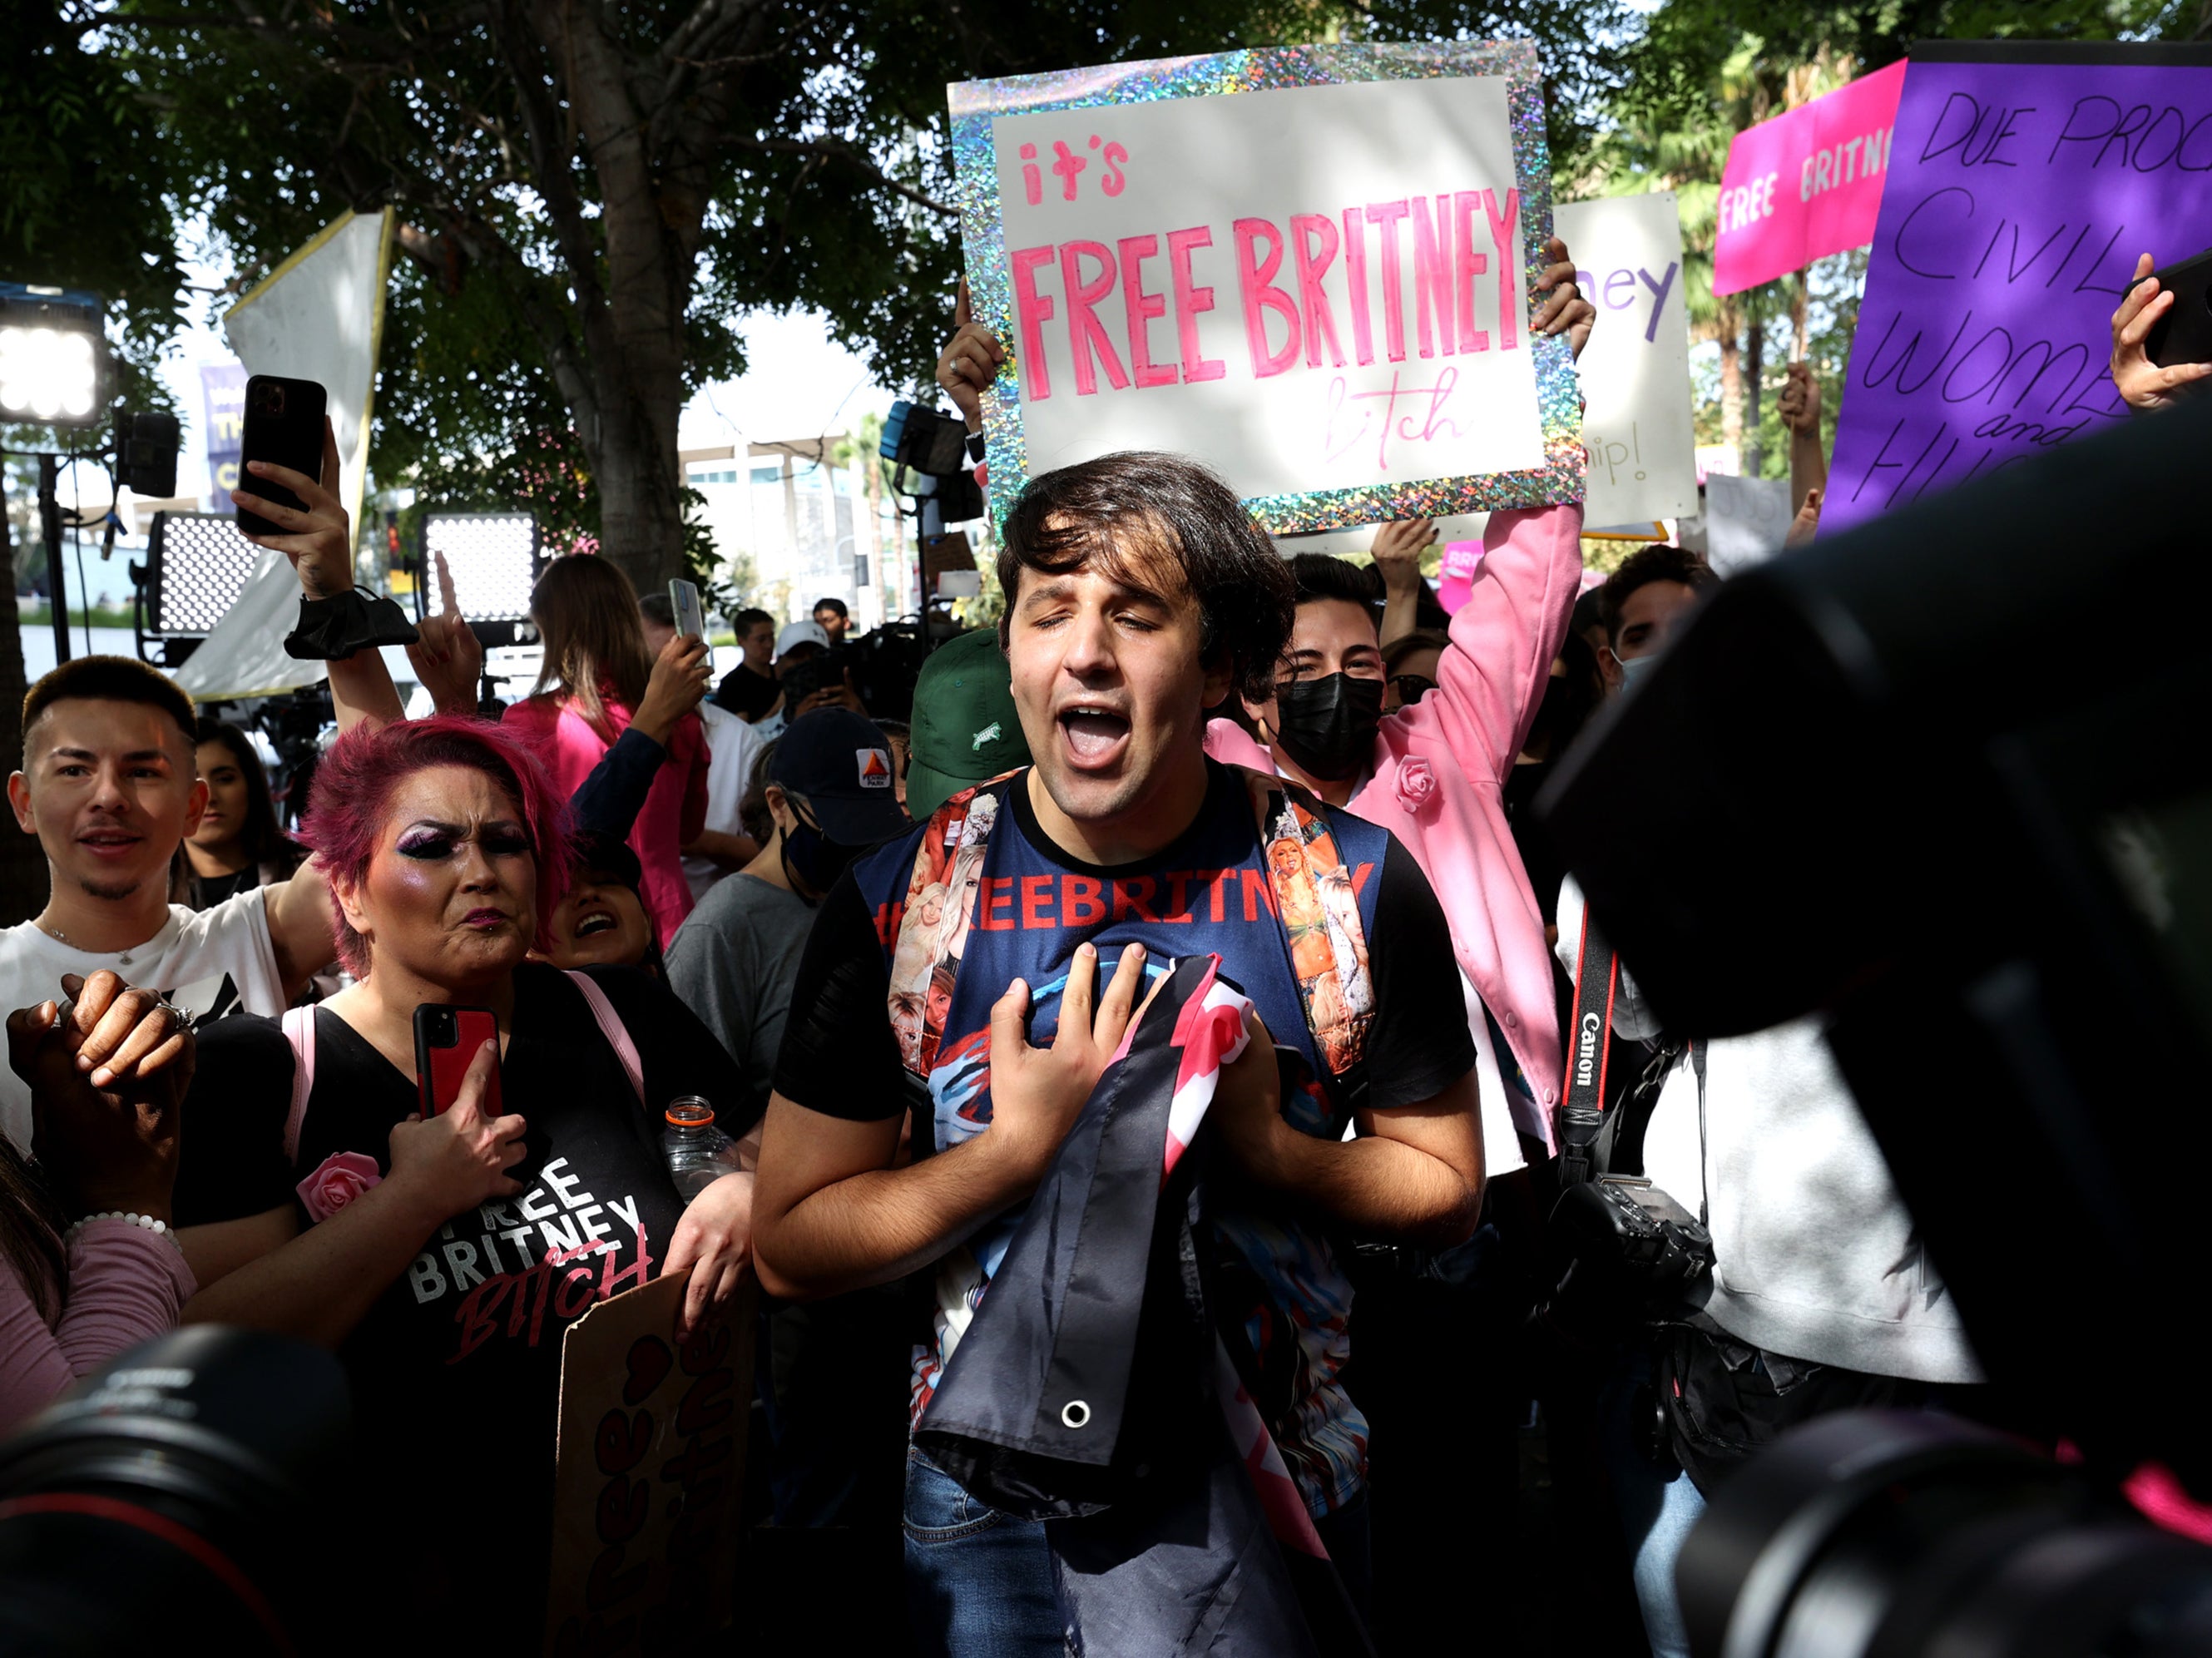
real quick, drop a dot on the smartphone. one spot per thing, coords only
(446, 1044)
(283, 426)
(2184, 334)
(802, 679)
(683, 600)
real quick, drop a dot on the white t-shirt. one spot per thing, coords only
(218, 961)
(732, 745)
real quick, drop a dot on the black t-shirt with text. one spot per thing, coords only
(456, 1369)
(1206, 892)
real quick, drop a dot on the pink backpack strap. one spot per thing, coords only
(300, 1031)
(616, 1032)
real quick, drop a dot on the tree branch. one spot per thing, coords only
(836, 149)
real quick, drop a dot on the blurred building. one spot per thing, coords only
(793, 524)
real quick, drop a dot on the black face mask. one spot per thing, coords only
(1328, 724)
(812, 859)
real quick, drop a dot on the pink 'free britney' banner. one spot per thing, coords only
(1805, 185)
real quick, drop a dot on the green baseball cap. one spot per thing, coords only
(964, 728)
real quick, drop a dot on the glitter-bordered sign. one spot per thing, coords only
(1310, 267)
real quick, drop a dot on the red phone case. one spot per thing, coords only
(439, 1070)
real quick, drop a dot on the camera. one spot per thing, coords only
(1836, 793)
(177, 1491)
(268, 397)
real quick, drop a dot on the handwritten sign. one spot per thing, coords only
(1307, 267)
(2025, 180)
(1636, 369)
(1806, 183)
(1745, 520)
(652, 1467)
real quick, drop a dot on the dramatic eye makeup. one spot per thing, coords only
(426, 843)
(429, 842)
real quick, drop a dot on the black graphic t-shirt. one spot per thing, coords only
(456, 1369)
(1208, 892)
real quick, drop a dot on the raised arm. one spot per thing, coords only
(1492, 678)
(1800, 409)
(1398, 558)
(319, 543)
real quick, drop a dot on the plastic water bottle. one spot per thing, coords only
(698, 1153)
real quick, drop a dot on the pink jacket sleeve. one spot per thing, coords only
(126, 1285)
(1503, 641)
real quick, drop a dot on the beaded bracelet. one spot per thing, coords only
(159, 1228)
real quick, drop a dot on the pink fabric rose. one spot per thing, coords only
(343, 1176)
(1417, 783)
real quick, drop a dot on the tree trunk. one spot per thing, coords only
(637, 470)
(22, 865)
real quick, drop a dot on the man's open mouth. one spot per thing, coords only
(1093, 733)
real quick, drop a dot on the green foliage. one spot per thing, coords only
(87, 185)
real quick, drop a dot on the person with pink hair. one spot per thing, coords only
(442, 1256)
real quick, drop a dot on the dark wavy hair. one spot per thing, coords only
(260, 837)
(353, 791)
(1138, 512)
(1658, 563)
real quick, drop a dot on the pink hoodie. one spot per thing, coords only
(1439, 773)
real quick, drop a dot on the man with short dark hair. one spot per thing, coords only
(1139, 594)
(1640, 604)
(834, 618)
(749, 690)
(109, 785)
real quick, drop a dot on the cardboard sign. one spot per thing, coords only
(1309, 268)
(1805, 184)
(651, 1471)
(2024, 182)
(1636, 369)
(1745, 520)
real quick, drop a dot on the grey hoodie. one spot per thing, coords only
(1815, 1256)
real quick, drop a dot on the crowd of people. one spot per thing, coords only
(1183, 772)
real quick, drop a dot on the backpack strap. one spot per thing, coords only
(932, 922)
(612, 1027)
(298, 1024)
(1319, 912)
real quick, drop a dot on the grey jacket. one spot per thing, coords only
(1815, 1254)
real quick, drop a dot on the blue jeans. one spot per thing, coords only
(1658, 1509)
(978, 1582)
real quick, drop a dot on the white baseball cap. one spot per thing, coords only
(795, 634)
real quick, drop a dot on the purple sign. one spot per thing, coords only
(2024, 181)
(222, 388)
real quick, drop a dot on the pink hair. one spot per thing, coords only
(353, 790)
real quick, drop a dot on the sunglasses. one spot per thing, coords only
(1412, 687)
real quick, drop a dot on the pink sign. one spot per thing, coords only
(1805, 185)
(1456, 578)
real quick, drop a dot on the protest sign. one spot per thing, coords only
(1635, 371)
(651, 1469)
(222, 394)
(2024, 181)
(1806, 183)
(1745, 520)
(1309, 268)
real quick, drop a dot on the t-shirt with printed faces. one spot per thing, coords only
(456, 1369)
(218, 962)
(1029, 906)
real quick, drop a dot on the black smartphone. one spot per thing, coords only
(283, 426)
(2184, 334)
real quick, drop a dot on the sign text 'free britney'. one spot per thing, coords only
(1313, 289)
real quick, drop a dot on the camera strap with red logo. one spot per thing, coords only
(1589, 1039)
